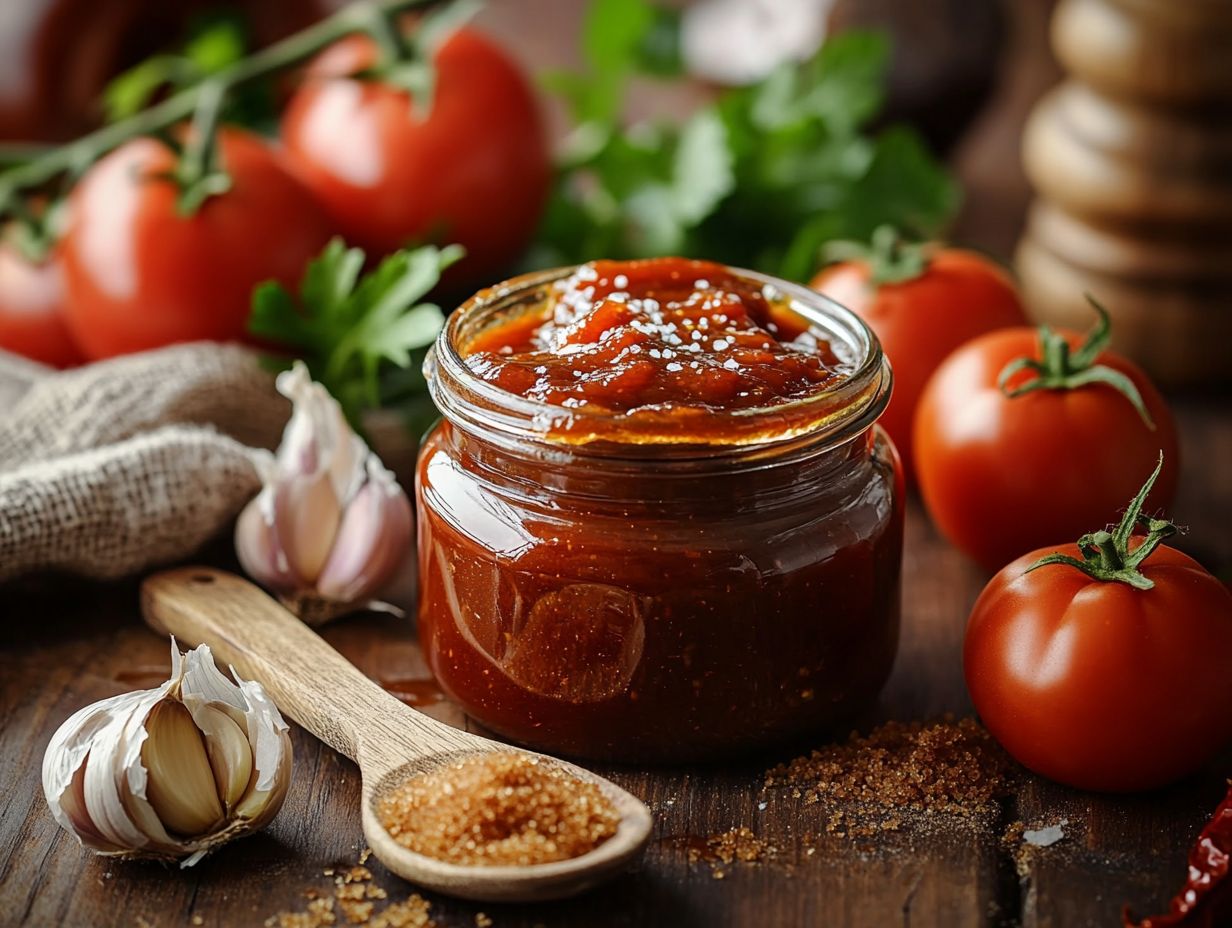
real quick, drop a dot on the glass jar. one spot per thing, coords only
(658, 603)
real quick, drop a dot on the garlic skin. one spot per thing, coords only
(331, 524)
(206, 753)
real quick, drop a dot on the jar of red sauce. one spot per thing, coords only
(658, 562)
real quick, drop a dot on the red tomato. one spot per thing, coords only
(1100, 685)
(140, 275)
(32, 310)
(473, 170)
(919, 321)
(1003, 475)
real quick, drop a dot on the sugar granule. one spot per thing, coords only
(947, 766)
(351, 899)
(498, 809)
(728, 847)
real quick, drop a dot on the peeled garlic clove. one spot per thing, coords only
(170, 772)
(181, 781)
(229, 752)
(372, 540)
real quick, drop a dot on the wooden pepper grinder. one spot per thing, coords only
(1132, 161)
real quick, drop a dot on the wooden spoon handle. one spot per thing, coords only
(306, 678)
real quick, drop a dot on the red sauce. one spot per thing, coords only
(629, 605)
(658, 336)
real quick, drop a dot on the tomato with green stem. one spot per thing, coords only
(162, 249)
(449, 147)
(922, 301)
(32, 299)
(1104, 664)
(1024, 436)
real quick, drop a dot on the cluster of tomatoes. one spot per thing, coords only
(355, 156)
(1102, 664)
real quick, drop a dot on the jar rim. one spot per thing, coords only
(854, 401)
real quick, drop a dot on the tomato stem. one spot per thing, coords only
(408, 62)
(199, 174)
(1059, 368)
(890, 257)
(35, 228)
(79, 154)
(1107, 556)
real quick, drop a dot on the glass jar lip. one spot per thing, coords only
(480, 407)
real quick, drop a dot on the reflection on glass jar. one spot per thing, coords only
(651, 603)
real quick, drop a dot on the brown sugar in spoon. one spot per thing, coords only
(330, 697)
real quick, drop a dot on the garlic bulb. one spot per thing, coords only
(171, 772)
(331, 524)
(739, 42)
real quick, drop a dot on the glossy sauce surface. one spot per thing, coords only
(666, 338)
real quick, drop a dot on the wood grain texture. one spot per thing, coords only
(66, 644)
(63, 644)
(330, 698)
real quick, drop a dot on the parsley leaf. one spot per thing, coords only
(761, 177)
(355, 331)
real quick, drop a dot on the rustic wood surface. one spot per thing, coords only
(64, 643)
(69, 644)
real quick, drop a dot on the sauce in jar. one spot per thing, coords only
(656, 522)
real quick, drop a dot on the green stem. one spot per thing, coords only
(387, 36)
(891, 258)
(1106, 556)
(290, 51)
(198, 173)
(14, 154)
(1059, 368)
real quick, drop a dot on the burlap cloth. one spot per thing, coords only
(121, 465)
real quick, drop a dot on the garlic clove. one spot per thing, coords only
(181, 781)
(257, 545)
(264, 796)
(229, 752)
(115, 780)
(318, 437)
(73, 805)
(330, 524)
(372, 540)
(306, 517)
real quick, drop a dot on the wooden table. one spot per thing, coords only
(63, 647)
(67, 644)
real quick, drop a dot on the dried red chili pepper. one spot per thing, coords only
(1205, 901)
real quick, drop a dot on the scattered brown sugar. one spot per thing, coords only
(351, 902)
(727, 847)
(499, 808)
(1012, 836)
(731, 845)
(950, 767)
(945, 766)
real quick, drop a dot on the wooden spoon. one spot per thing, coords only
(326, 694)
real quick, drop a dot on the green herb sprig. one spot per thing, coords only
(761, 177)
(362, 335)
